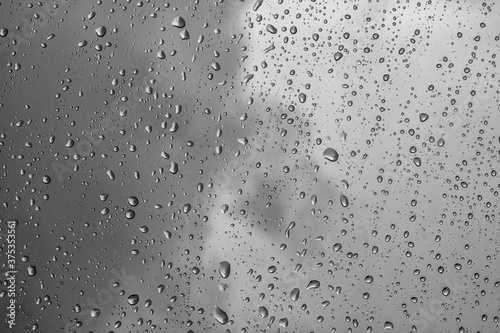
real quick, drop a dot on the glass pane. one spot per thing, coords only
(249, 166)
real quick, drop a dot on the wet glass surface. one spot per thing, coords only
(249, 166)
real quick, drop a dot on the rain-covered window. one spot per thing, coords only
(245, 166)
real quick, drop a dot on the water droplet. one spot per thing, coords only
(101, 31)
(337, 247)
(224, 208)
(161, 54)
(111, 175)
(440, 142)
(133, 201)
(302, 98)
(31, 270)
(129, 214)
(271, 29)
(263, 312)
(388, 325)
(445, 291)
(423, 117)
(179, 22)
(94, 313)
(337, 56)
(247, 78)
(331, 154)
(295, 294)
(133, 299)
(257, 5)
(344, 201)
(417, 161)
(144, 229)
(174, 168)
(368, 279)
(220, 315)
(291, 225)
(224, 269)
(4, 32)
(46, 179)
(313, 284)
(184, 34)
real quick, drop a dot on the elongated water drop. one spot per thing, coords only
(220, 315)
(290, 227)
(295, 294)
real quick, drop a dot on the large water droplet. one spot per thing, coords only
(344, 201)
(133, 299)
(94, 313)
(174, 168)
(302, 98)
(331, 154)
(388, 325)
(313, 284)
(178, 22)
(263, 312)
(220, 315)
(133, 201)
(337, 247)
(101, 31)
(337, 56)
(295, 294)
(423, 117)
(224, 269)
(31, 270)
(184, 34)
(271, 29)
